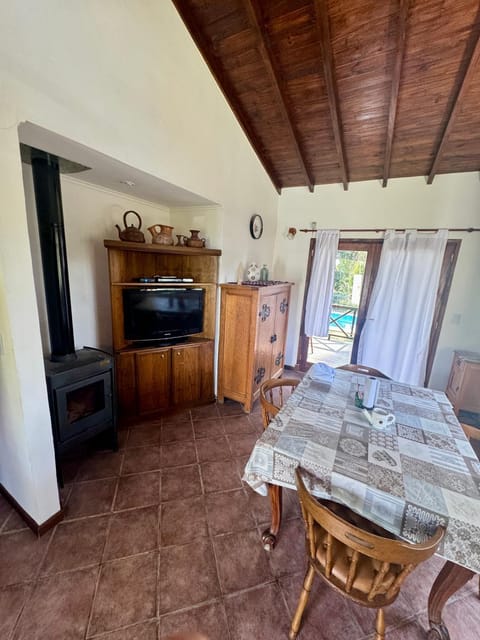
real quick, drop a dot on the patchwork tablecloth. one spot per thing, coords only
(407, 478)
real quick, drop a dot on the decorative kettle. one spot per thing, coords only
(131, 233)
(161, 234)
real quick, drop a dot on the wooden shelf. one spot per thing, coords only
(146, 247)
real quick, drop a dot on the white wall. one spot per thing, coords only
(126, 80)
(451, 201)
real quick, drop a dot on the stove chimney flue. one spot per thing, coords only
(48, 198)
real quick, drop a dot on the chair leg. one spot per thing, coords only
(380, 625)
(297, 618)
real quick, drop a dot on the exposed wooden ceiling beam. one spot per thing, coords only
(206, 49)
(469, 73)
(323, 33)
(397, 74)
(256, 19)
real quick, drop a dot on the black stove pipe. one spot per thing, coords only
(48, 198)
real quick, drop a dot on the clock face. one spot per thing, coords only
(256, 226)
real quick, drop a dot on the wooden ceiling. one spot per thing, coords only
(334, 91)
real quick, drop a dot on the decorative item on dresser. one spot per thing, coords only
(463, 388)
(131, 233)
(253, 329)
(160, 375)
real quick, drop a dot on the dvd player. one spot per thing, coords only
(160, 279)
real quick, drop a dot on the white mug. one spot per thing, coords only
(381, 418)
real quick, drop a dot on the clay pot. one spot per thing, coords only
(161, 234)
(194, 240)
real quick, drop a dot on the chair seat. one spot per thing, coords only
(366, 571)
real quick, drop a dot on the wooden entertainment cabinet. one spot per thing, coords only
(154, 379)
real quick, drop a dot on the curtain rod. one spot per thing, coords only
(467, 230)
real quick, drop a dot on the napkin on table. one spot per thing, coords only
(321, 372)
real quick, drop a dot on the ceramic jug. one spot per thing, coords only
(161, 234)
(194, 240)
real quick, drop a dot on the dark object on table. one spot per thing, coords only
(131, 233)
(364, 566)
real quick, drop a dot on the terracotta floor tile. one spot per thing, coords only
(188, 576)
(178, 454)
(58, 607)
(183, 521)
(208, 428)
(239, 424)
(322, 602)
(259, 506)
(100, 465)
(20, 556)
(291, 504)
(228, 511)
(205, 411)
(126, 593)
(241, 561)
(70, 467)
(230, 408)
(91, 498)
(220, 476)
(141, 459)
(176, 432)
(143, 436)
(176, 417)
(242, 444)
(142, 631)
(212, 449)
(131, 532)
(208, 619)
(5, 510)
(12, 599)
(289, 555)
(76, 544)
(140, 490)
(181, 482)
(14, 522)
(258, 613)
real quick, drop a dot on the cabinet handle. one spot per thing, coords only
(278, 359)
(264, 312)
(260, 374)
(179, 353)
(163, 355)
(283, 306)
(273, 338)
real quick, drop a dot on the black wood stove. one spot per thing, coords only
(80, 383)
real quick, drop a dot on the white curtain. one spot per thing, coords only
(320, 290)
(395, 337)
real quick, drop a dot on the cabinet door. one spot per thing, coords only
(153, 380)
(192, 373)
(455, 382)
(265, 340)
(125, 383)
(280, 332)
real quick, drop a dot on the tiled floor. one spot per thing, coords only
(162, 536)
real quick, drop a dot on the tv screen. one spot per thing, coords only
(162, 313)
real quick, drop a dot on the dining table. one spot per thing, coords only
(409, 477)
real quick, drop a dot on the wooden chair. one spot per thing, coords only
(368, 371)
(272, 394)
(364, 566)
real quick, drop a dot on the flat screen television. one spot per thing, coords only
(167, 314)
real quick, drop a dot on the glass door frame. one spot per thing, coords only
(373, 248)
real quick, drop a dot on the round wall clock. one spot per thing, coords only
(256, 226)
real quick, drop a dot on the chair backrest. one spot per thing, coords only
(366, 566)
(360, 368)
(472, 433)
(273, 392)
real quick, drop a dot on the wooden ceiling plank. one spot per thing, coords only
(323, 33)
(256, 19)
(457, 103)
(206, 49)
(397, 74)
